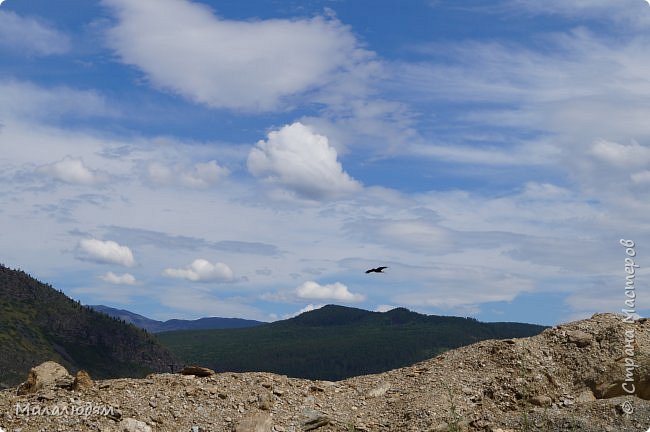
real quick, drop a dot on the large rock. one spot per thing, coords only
(580, 338)
(197, 371)
(48, 374)
(313, 419)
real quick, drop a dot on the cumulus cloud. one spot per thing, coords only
(184, 47)
(106, 252)
(202, 270)
(336, 291)
(27, 35)
(74, 171)
(199, 176)
(123, 279)
(310, 307)
(385, 308)
(302, 161)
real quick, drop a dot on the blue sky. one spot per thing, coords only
(252, 159)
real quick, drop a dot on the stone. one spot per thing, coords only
(379, 390)
(132, 425)
(541, 401)
(265, 401)
(197, 371)
(82, 380)
(580, 338)
(48, 374)
(313, 419)
(585, 396)
(257, 422)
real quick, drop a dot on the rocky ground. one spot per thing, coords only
(569, 378)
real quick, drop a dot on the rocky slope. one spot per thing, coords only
(566, 379)
(39, 323)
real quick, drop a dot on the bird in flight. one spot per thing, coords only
(376, 270)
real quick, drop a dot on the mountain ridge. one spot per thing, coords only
(156, 326)
(335, 342)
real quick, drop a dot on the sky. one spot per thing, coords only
(183, 159)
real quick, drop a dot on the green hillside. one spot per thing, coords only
(336, 342)
(39, 323)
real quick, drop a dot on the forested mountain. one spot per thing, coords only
(39, 323)
(336, 342)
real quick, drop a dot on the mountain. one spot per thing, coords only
(128, 317)
(39, 323)
(155, 326)
(336, 342)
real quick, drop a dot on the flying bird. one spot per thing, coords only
(376, 270)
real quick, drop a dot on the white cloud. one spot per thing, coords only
(184, 47)
(198, 176)
(621, 155)
(336, 291)
(310, 307)
(543, 191)
(108, 252)
(27, 35)
(385, 308)
(641, 177)
(302, 161)
(25, 100)
(522, 154)
(628, 12)
(202, 271)
(123, 279)
(197, 303)
(74, 171)
(451, 287)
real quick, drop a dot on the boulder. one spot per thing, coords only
(197, 371)
(580, 338)
(48, 374)
(313, 419)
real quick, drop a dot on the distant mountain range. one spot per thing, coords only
(336, 342)
(39, 323)
(155, 326)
